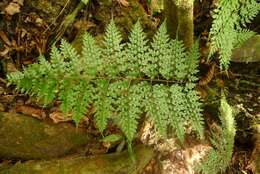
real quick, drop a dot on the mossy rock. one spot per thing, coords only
(24, 137)
(248, 52)
(117, 163)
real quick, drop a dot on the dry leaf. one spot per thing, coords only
(12, 8)
(58, 117)
(20, 2)
(32, 111)
(123, 2)
(5, 38)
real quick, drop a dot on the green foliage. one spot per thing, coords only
(121, 82)
(219, 158)
(226, 32)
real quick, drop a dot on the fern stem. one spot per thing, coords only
(88, 78)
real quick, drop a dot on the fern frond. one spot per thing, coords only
(112, 39)
(159, 109)
(67, 96)
(127, 108)
(177, 119)
(218, 159)
(18, 78)
(121, 82)
(160, 57)
(70, 54)
(135, 103)
(135, 51)
(194, 110)
(46, 88)
(91, 55)
(58, 65)
(242, 36)
(179, 61)
(193, 58)
(112, 52)
(102, 104)
(68, 51)
(228, 18)
(83, 93)
(248, 10)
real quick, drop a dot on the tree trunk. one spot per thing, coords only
(179, 15)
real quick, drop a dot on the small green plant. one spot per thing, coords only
(122, 81)
(219, 158)
(227, 30)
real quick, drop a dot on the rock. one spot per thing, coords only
(117, 163)
(24, 137)
(248, 52)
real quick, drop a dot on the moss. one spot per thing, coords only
(24, 137)
(49, 9)
(104, 164)
(125, 17)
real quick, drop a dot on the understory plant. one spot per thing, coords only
(220, 156)
(228, 30)
(121, 81)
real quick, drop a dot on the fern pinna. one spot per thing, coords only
(122, 81)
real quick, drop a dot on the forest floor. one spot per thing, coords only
(28, 27)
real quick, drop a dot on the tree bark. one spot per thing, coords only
(179, 15)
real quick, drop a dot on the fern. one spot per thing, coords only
(120, 81)
(242, 36)
(102, 104)
(135, 52)
(112, 51)
(160, 57)
(219, 158)
(228, 19)
(193, 62)
(177, 119)
(158, 107)
(91, 55)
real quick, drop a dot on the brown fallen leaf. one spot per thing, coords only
(82, 24)
(4, 37)
(31, 111)
(58, 117)
(20, 2)
(12, 8)
(124, 3)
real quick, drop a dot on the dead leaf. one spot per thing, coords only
(58, 117)
(124, 3)
(82, 24)
(12, 8)
(20, 2)
(5, 38)
(4, 52)
(32, 111)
